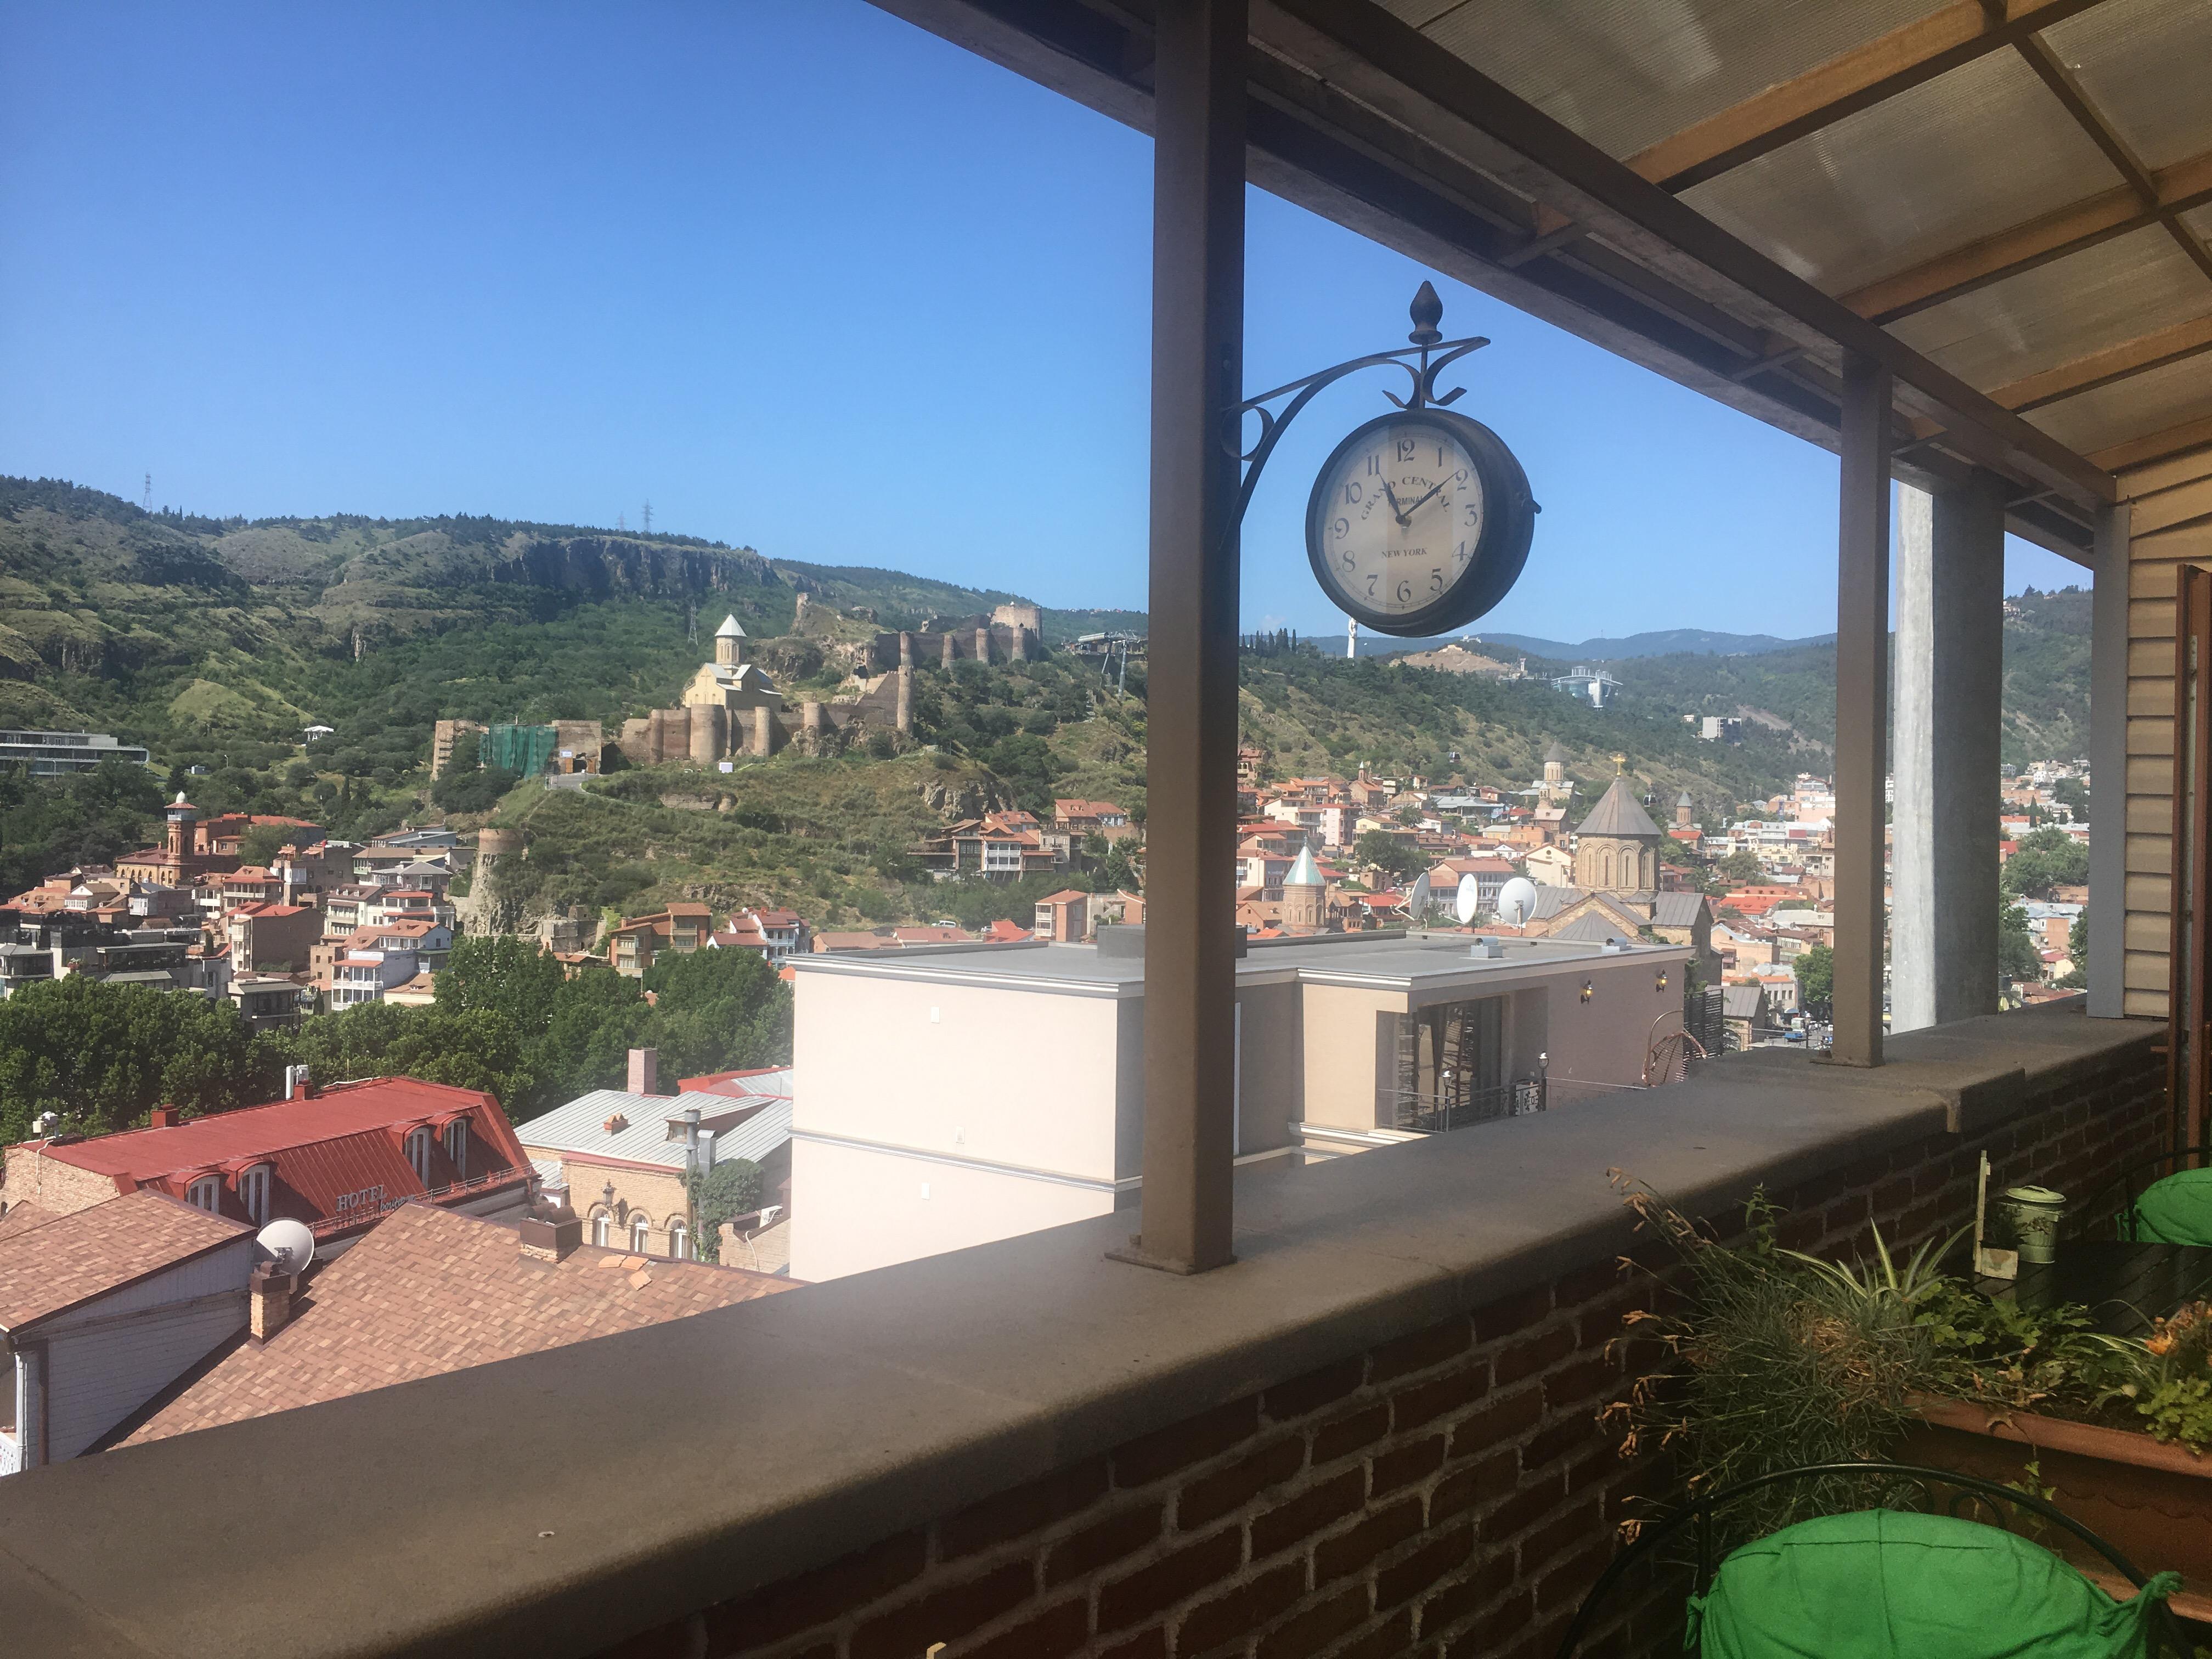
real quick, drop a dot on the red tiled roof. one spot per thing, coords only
(45, 1267)
(1063, 896)
(1003, 931)
(429, 1291)
(346, 1142)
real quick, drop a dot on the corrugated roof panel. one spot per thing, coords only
(2103, 296)
(1626, 73)
(2147, 66)
(2133, 408)
(1974, 152)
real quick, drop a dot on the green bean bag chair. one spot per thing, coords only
(2175, 1211)
(1891, 1584)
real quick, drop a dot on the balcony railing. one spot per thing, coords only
(1432, 1114)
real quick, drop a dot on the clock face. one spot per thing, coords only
(1414, 520)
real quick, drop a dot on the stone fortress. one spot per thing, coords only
(733, 706)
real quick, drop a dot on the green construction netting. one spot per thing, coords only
(525, 750)
(2175, 1211)
(1892, 1584)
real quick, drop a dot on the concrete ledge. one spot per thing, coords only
(556, 1505)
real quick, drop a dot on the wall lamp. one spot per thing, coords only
(1662, 979)
(1589, 990)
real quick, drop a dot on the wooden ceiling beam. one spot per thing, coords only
(2156, 445)
(1858, 79)
(2137, 357)
(2082, 224)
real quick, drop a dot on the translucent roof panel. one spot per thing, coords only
(2147, 65)
(1971, 153)
(2133, 408)
(1626, 73)
(2102, 296)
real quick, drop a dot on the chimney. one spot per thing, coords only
(551, 1231)
(297, 1084)
(164, 1117)
(644, 1070)
(269, 1301)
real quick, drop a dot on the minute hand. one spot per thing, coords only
(1408, 511)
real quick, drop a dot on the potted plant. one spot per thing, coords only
(1769, 1359)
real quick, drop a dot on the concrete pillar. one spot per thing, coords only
(906, 697)
(2108, 767)
(1190, 889)
(710, 733)
(1949, 685)
(948, 653)
(1862, 708)
(983, 645)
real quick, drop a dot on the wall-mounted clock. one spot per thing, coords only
(1419, 522)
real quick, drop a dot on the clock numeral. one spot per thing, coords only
(1351, 492)
(1374, 466)
(1341, 529)
(1406, 449)
(1440, 458)
(1460, 552)
(1371, 581)
(1405, 591)
(1474, 513)
(1436, 581)
(1349, 562)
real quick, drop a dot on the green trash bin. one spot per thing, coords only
(1895, 1584)
(2177, 1210)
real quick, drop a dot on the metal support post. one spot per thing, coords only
(1949, 686)
(1861, 709)
(2108, 767)
(1190, 895)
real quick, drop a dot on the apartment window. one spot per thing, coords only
(639, 1231)
(601, 1229)
(679, 1242)
(205, 1193)
(253, 1193)
(457, 1146)
(418, 1154)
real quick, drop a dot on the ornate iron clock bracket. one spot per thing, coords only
(1423, 360)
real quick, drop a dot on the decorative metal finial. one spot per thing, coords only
(1619, 765)
(1426, 311)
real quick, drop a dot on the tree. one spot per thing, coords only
(2017, 956)
(1815, 968)
(1395, 854)
(472, 1049)
(719, 1011)
(508, 975)
(1741, 868)
(731, 1187)
(2044, 858)
(105, 1055)
(2076, 977)
(260, 845)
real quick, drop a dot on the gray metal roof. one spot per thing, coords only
(1617, 813)
(580, 1126)
(1594, 927)
(1676, 910)
(1743, 1001)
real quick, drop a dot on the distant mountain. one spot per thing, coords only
(1666, 643)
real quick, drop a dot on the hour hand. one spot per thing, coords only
(1397, 511)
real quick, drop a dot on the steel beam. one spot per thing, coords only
(1191, 830)
(1861, 708)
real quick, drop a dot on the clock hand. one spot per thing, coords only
(1397, 511)
(1403, 516)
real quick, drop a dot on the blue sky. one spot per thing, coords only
(806, 278)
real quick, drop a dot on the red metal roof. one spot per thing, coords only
(339, 1156)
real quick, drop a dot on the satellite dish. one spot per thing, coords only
(286, 1244)
(1420, 899)
(1469, 899)
(1516, 901)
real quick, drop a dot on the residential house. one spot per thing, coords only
(103, 1308)
(266, 936)
(269, 1002)
(622, 1153)
(1064, 918)
(1091, 818)
(682, 928)
(373, 961)
(775, 934)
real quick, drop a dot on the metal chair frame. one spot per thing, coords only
(1972, 1490)
(2125, 1180)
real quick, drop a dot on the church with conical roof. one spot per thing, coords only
(1617, 846)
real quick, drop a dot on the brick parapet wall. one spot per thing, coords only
(1445, 1495)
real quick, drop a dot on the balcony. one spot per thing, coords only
(1358, 1413)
